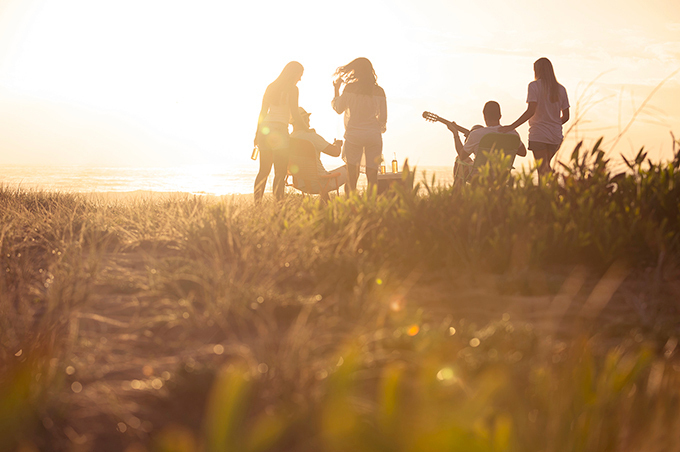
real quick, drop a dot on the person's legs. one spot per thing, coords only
(352, 152)
(373, 150)
(352, 177)
(543, 152)
(266, 161)
(280, 172)
(372, 176)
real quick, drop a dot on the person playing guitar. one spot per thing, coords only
(463, 165)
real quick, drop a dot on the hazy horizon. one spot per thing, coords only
(156, 84)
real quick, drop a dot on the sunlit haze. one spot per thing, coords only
(167, 83)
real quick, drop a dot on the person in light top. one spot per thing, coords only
(279, 105)
(303, 131)
(547, 110)
(364, 105)
(492, 118)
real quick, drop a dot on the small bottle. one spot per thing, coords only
(383, 170)
(256, 152)
(395, 164)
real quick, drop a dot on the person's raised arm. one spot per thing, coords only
(530, 111)
(565, 115)
(453, 127)
(338, 103)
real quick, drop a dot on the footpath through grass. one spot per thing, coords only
(502, 317)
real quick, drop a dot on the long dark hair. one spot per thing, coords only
(285, 81)
(543, 69)
(359, 73)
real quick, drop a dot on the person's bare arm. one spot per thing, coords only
(334, 149)
(293, 104)
(453, 127)
(530, 111)
(565, 115)
(263, 113)
(462, 155)
(337, 103)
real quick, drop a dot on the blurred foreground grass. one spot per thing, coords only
(507, 316)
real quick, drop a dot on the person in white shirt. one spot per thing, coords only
(547, 110)
(279, 105)
(492, 118)
(302, 130)
(364, 105)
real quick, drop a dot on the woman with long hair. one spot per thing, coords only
(365, 107)
(547, 110)
(279, 106)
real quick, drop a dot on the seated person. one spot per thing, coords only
(301, 130)
(492, 118)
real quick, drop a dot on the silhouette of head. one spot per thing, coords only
(492, 113)
(304, 124)
(291, 74)
(543, 70)
(359, 71)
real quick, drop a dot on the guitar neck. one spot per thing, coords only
(432, 117)
(462, 130)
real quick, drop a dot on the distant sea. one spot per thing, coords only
(189, 179)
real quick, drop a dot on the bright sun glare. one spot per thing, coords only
(166, 82)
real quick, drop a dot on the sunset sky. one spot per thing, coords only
(166, 83)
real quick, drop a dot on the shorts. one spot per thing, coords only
(273, 136)
(539, 146)
(358, 143)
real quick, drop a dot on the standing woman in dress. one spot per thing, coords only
(365, 107)
(279, 106)
(548, 109)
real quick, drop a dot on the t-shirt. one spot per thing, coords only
(472, 143)
(545, 125)
(317, 141)
(362, 112)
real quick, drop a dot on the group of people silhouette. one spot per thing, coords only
(364, 105)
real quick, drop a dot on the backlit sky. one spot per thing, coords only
(166, 83)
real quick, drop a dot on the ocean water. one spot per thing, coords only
(188, 179)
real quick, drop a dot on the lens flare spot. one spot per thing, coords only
(446, 374)
(76, 387)
(218, 349)
(452, 331)
(397, 304)
(265, 130)
(413, 330)
(379, 281)
(474, 342)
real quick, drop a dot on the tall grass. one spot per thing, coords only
(374, 323)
